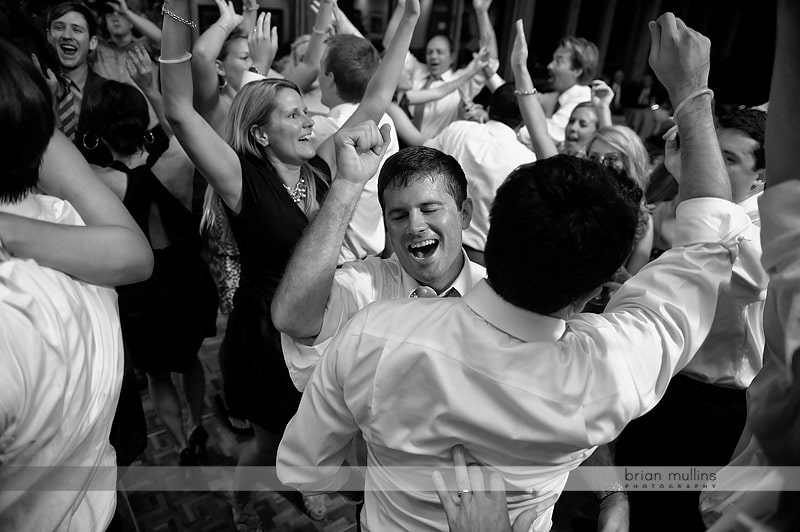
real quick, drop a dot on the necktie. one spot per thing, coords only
(419, 111)
(67, 116)
(425, 291)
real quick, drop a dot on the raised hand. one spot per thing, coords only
(359, 150)
(49, 77)
(679, 55)
(481, 5)
(263, 43)
(120, 6)
(480, 59)
(519, 52)
(228, 16)
(140, 67)
(411, 8)
(602, 95)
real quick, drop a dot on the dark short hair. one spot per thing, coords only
(26, 112)
(116, 113)
(417, 163)
(753, 123)
(584, 56)
(352, 61)
(503, 106)
(62, 9)
(560, 227)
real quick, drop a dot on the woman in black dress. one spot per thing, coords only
(165, 318)
(272, 181)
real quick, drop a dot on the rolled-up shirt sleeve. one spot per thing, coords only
(658, 319)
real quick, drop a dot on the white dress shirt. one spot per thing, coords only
(556, 124)
(487, 153)
(366, 233)
(519, 389)
(440, 113)
(356, 285)
(780, 237)
(732, 353)
(62, 362)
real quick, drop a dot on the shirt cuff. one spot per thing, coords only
(301, 359)
(780, 224)
(711, 220)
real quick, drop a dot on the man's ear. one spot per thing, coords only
(466, 213)
(761, 177)
(260, 136)
(92, 43)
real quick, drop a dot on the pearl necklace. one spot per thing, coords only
(299, 192)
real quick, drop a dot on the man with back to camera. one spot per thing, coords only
(513, 370)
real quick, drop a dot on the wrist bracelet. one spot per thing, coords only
(692, 96)
(526, 93)
(182, 59)
(187, 22)
(318, 32)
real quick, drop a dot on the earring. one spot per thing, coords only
(86, 143)
(149, 138)
(223, 81)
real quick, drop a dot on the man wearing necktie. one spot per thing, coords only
(431, 118)
(72, 32)
(423, 194)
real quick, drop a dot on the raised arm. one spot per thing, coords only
(383, 82)
(205, 53)
(784, 137)
(306, 72)
(394, 22)
(140, 23)
(416, 97)
(602, 96)
(249, 15)
(140, 68)
(680, 58)
(111, 250)
(529, 106)
(488, 39)
(299, 303)
(209, 153)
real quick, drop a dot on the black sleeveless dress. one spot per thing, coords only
(165, 318)
(269, 225)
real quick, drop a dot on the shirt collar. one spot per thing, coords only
(27, 207)
(750, 206)
(520, 323)
(575, 93)
(463, 282)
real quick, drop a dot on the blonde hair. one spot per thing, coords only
(254, 105)
(634, 155)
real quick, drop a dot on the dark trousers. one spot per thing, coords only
(694, 424)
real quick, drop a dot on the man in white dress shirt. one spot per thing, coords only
(60, 344)
(424, 197)
(487, 152)
(569, 74)
(702, 415)
(512, 370)
(345, 69)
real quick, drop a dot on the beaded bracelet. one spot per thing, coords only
(692, 96)
(526, 93)
(318, 32)
(182, 59)
(165, 11)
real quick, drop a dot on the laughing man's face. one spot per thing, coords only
(69, 36)
(424, 226)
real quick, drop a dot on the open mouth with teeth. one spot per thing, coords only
(67, 49)
(304, 138)
(423, 249)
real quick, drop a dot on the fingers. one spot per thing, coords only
(462, 475)
(476, 481)
(497, 486)
(36, 62)
(521, 32)
(655, 41)
(385, 133)
(450, 506)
